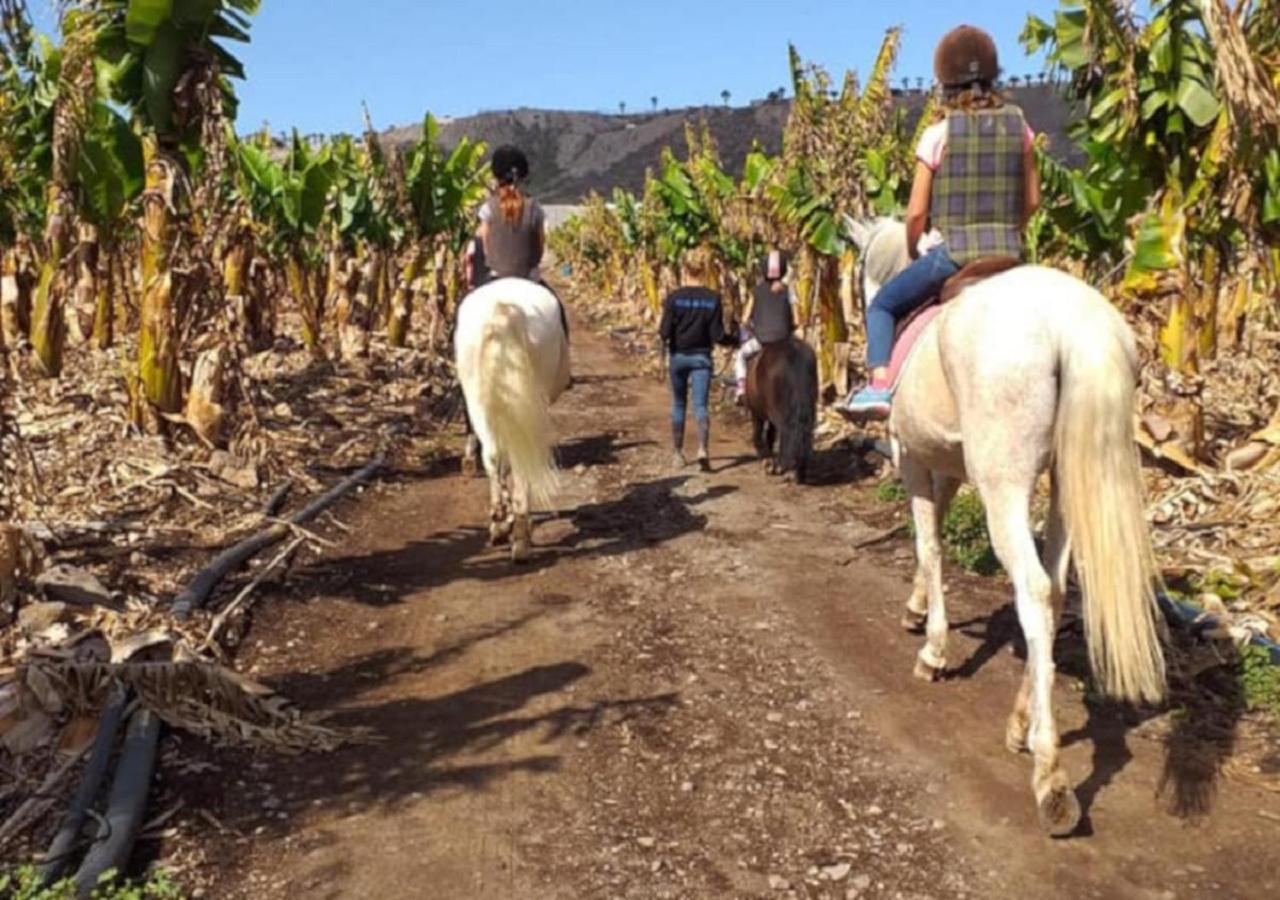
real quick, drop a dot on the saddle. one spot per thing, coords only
(908, 331)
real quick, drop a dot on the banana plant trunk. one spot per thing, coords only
(48, 324)
(401, 310)
(85, 304)
(834, 332)
(124, 275)
(350, 306)
(158, 372)
(104, 314)
(303, 289)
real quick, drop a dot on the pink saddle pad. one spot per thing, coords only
(906, 344)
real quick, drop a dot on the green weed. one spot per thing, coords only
(23, 883)
(1260, 680)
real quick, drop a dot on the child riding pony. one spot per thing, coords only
(975, 179)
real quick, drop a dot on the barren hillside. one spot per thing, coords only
(576, 152)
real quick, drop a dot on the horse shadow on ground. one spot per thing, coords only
(595, 450)
(1198, 724)
(648, 514)
(840, 464)
(425, 745)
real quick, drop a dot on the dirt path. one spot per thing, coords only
(697, 690)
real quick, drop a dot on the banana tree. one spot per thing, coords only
(289, 199)
(442, 191)
(67, 82)
(26, 127)
(109, 177)
(166, 63)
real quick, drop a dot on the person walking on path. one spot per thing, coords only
(692, 325)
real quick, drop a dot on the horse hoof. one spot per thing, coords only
(521, 552)
(499, 535)
(1059, 811)
(469, 468)
(913, 622)
(926, 672)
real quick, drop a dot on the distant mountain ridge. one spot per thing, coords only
(572, 153)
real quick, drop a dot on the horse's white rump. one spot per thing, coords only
(513, 362)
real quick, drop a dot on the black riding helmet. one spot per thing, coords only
(510, 164)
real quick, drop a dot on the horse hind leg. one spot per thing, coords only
(1008, 520)
(758, 425)
(522, 526)
(1057, 560)
(500, 521)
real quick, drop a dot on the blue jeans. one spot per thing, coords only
(690, 369)
(903, 293)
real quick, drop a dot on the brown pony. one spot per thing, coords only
(782, 395)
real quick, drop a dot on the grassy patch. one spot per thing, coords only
(1259, 680)
(23, 883)
(964, 530)
(891, 491)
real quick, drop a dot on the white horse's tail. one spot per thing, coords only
(1102, 503)
(516, 409)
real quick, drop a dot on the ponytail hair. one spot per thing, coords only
(969, 98)
(511, 202)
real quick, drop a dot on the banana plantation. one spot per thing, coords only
(237, 522)
(133, 217)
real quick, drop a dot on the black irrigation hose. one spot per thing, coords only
(68, 839)
(208, 578)
(112, 845)
(276, 503)
(126, 803)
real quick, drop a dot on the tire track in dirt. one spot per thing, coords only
(693, 691)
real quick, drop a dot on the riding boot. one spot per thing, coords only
(677, 443)
(704, 444)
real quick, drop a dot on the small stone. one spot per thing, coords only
(838, 872)
(686, 787)
(36, 617)
(778, 883)
(580, 469)
(67, 584)
(774, 717)
(861, 882)
(874, 810)
(646, 842)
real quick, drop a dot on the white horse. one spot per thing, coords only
(1028, 371)
(512, 358)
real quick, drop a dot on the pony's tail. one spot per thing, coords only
(515, 409)
(796, 442)
(1100, 490)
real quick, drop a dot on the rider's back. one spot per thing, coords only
(515, 248)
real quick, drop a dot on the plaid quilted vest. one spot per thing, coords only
(979, 190)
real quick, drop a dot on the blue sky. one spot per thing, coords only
(312, 62)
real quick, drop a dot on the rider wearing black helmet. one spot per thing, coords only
(512, 232)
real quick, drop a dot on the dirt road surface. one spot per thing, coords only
(698, 689)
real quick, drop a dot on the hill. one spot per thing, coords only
(572, 153)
